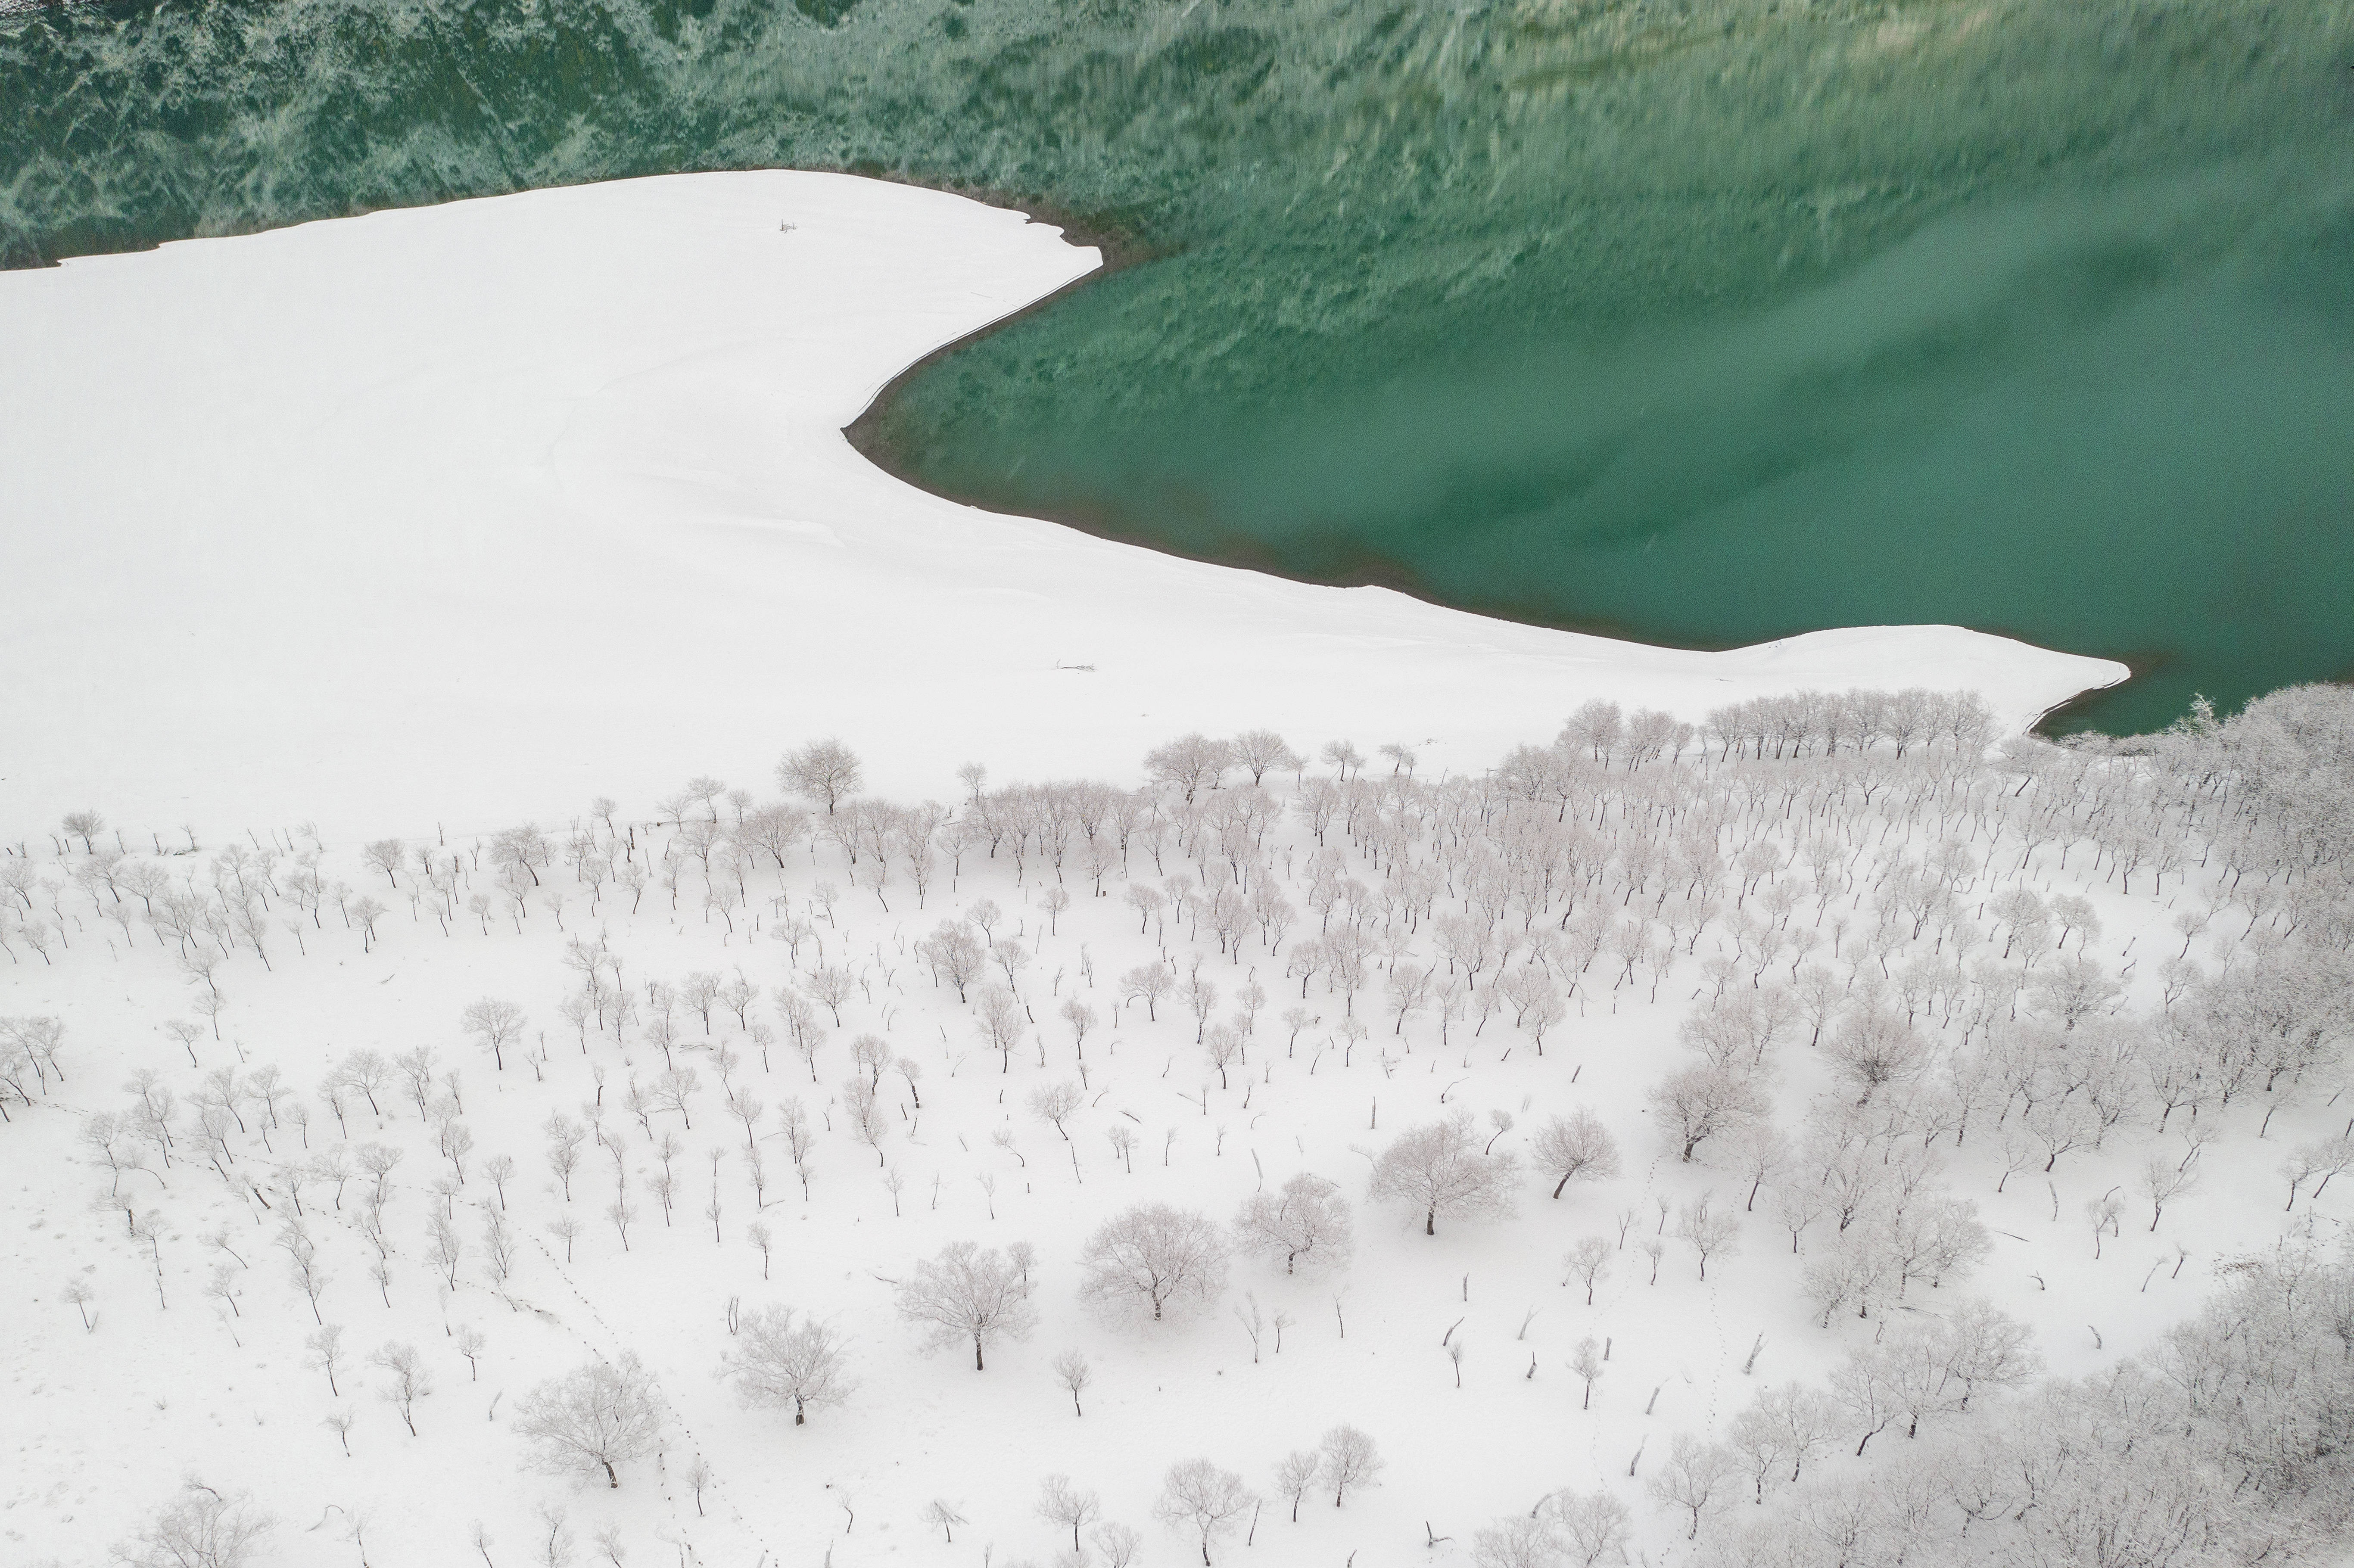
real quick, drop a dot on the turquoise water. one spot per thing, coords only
(1703, 322)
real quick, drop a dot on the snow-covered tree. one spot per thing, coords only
(970, 1293)
(1697, 1477)
(1589, 1260)
(1305, 1223)
(407, 1381)
(779, 1360)
(1201, 1500)
(1190, 764)
(1443, 1169)
(1575, 1147)
(824, 771)
(1351, 1461)
(496, 1024)
(1697, 1103)
(200, 1528)
(1154, 1261)
(1594, 1526)
(1071, 1507)
(593, 1420)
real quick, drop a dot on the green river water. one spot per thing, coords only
(1699, 323)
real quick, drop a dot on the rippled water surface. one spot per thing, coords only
(1703, 322)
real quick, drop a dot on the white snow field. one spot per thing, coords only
(464, 513)
(340, 553)
(290, 1007)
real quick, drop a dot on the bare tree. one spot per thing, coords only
(1222, 1043)
(864, 1112)
(200, 1528)
(1056, 1102)
(1071, 1370)
(1308, 1222)
(1517, 1541)
(1082, 1018)
(2324, 1158)
(565, 1137)
(1118, 1544)
(1002, 1017)
(1198, 1497)
(1696, 1478)
(970, 1293)
(802, 1028)
(497, 1024)
(1190, 764)
(1148, 983)
(1440, 1167)
(1594, 1526)
(1155, 1261)
(941, 1513)
(1697, 1103)
(1350, 1460)
(1260, 751)
(779, 1362)
(595, 1418)
(367, 1072)
(1874, 1049)
(1589, 1260)
(1200, 995)
(1869, 1390)
(824, 771)
(1587, 1365)
(1295, 1475)
(953, 955)
(1059, 1502)
(1146, 902)
(832, 984)
(326, 1346)
(1575, 1147)
(1709, 1231)
(410, 1381)
(1761, 1153)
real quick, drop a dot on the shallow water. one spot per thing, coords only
(1703, 323)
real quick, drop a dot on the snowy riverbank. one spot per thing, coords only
(467, 513)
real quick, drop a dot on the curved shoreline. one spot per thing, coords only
(1121, 250)
(534, 523)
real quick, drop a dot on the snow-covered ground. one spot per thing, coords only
(463, 515)
(100, 1424)
(428, 524)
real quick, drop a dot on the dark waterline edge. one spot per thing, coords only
(1121, 249)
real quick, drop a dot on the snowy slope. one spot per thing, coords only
(97, 1426)
(463, 514)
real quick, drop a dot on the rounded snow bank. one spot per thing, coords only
(469, 513)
